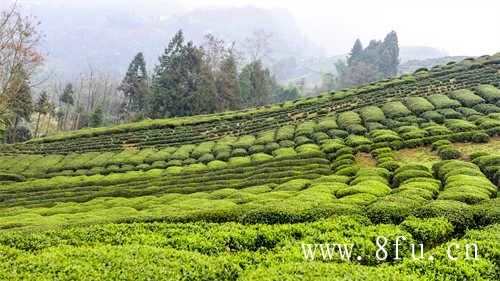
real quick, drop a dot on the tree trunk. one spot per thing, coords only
(77, 121)
(48, 125)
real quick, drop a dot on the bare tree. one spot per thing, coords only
(19, 40)
(258, 45)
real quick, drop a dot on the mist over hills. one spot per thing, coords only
(106, 35)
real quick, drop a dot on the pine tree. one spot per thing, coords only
(355, 53)
(227, 84)
(18, 101)
(42, 108)
(67, 99)
(257, 85)
(389, 57)
(135, 85)
(183, 83)
(97, 117)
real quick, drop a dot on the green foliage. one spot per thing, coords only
(466, 97)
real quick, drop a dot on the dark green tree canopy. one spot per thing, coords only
(67, 95)
(182, 83)
(135, 84)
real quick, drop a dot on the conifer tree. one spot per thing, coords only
(183, 83)
(135, 85)
(42, 108)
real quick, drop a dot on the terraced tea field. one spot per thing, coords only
(233, 196)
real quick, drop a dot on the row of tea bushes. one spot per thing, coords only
(366, 185)
(445, 150)
(232, 251)
(172, 132)
(189, 179)
(415, 186)
(464, 182)
(489, 165)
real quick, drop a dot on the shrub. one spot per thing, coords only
(285, 133)
(239, 152)
(287, 143)
(332, 145)
(458, 125)
(395, 109)
(244, 142)
(488, 92)
(384, 136)
(371, 114)
(391, 209)
(418, 104)
(459, 214)
(400, 177)
(270, 147)
(260, 157)
(202, 149)
(300, 140)
(433, 116)
(429, 231)
(389, 165)
(449, 113)
(326, 124)
(256, 148)
(320, 136)
(449, 153)
(487, 108)
(466, 97)
(305, 128)
(354, 140)
(373, 187)
(437, 144)
(284, 152)
(335, 133)
(442, 101)
(265, 137)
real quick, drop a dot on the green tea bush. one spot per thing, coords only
(244, 142)
(285, 133)
(429, 231)
(371, 114)
(433, 116)
(384, 136)
(443, 101)
(305, 129)
(466, 97)
(418, 104)
(488, 92)
(486, 108)
(354, 140)
(449, 113)
(395, 109)
(326, 124)
(459, 214)
(458, 125)
(449, 152)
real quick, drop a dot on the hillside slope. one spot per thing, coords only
(95, 202)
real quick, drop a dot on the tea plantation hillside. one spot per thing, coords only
(233, 196)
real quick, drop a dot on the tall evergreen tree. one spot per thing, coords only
(67, 100)
(257, 85)
(97, 117)
(18, 101)
(227, 84)
(41, 108)
(389, 55)
(135, 85)
(183, 84)
(355, 53)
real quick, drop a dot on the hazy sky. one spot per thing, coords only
(457, 26)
